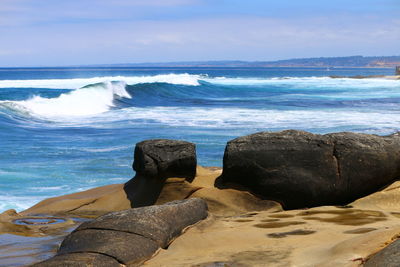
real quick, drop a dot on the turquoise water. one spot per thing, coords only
(71, 129)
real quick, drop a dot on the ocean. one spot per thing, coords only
(64, 130)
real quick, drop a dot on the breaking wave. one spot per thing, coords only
(185, 79)
(88, 100)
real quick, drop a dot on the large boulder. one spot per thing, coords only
(301, 169)
(128, 237)
(155, 161)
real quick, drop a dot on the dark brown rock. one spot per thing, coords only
(124, 247)
(388, 257)
(366, 162)
(300, 169)
(130, 236)
(165, 158)
(80, 260)
(160, 223)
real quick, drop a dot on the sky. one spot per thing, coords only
(76, 32)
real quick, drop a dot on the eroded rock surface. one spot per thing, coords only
(130, 236)
(301, 169)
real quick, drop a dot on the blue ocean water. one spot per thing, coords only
(64, 130)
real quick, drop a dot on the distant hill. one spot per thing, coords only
(352, 61)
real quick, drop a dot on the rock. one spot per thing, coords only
(165, 158)
(225, 202)
(90, 203)
(129, 236)
(80, 260)
(124, 247)
(230, 202)
(154, 162)
(300, 169)
(388, 257)
(160, 223)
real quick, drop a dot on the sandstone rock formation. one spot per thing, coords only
(300, 169)
(130, 236)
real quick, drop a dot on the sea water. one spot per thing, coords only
(64, 130)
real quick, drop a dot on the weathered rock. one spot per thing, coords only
(220, 202)
(122, 246)
(300, 169)
(130, 236)
(154, 162)
(161, 223)
(80, 260)
(90, 203)
(388, 257)
(165, 158)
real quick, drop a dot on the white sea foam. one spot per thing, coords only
(98, 98)
(85, 101)
(248, 118)
(193, 80)
(184, 79)
(345, 83)
(47, 188)
(16, 202)
(241, 118)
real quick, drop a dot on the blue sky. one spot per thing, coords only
(50, 32)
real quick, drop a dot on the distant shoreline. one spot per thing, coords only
(316, 62)
(66, 68)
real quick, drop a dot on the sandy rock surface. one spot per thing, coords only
(324, 236)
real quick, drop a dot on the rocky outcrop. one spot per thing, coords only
(221, 202)
(300, 169)
(130, 236)
(154, 162)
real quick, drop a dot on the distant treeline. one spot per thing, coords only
(352, 61)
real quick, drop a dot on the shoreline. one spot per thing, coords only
(242, 227)
(351, 225)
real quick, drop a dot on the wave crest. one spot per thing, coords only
(86, 101)
(184, 79)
